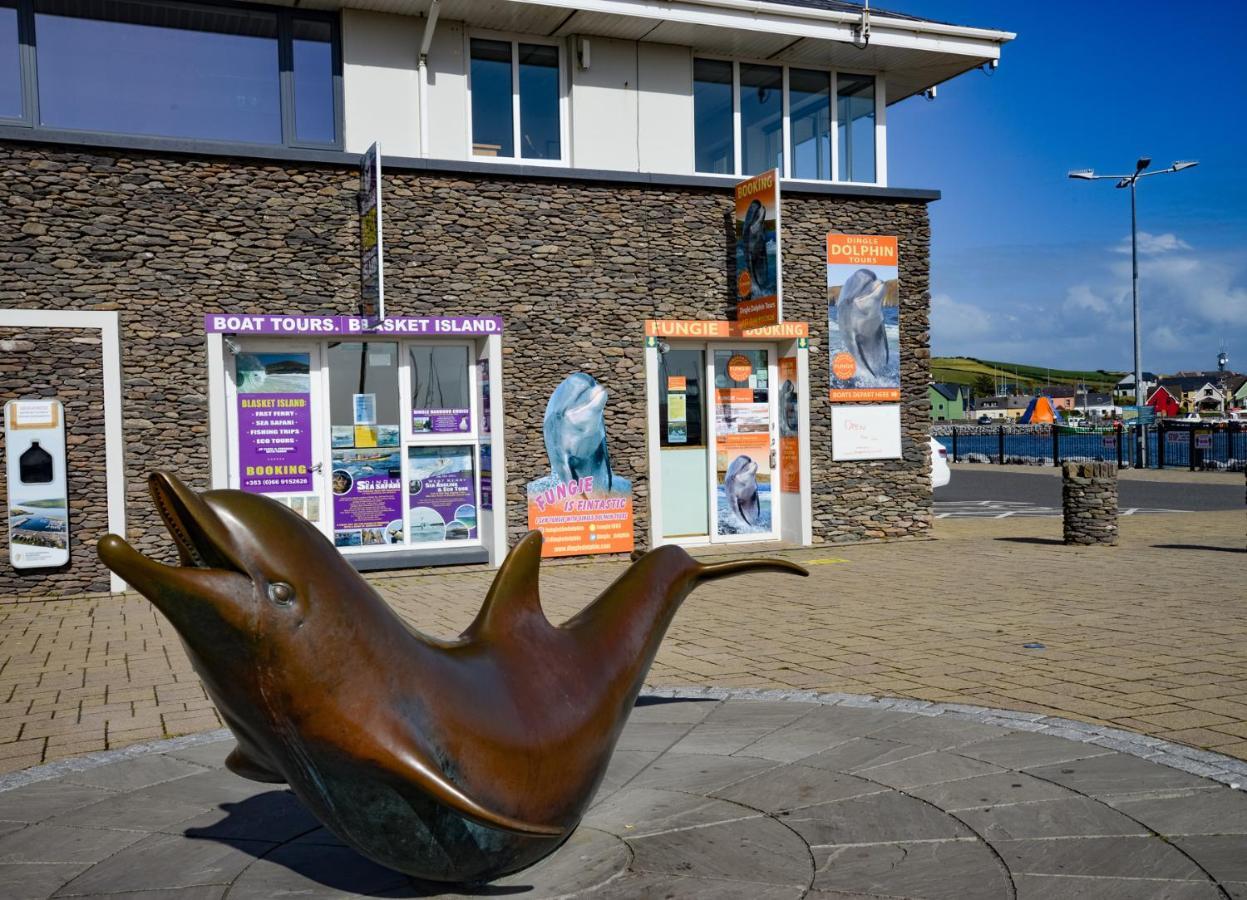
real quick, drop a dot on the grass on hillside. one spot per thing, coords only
(966, 370)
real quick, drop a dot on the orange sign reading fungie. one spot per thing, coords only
(717, 328)
(739, 368)
(758, 282)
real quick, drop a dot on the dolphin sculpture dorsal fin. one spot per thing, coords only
(514, 595)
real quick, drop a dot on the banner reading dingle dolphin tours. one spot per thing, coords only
(583, 506)
(863, 317)
(759, 290)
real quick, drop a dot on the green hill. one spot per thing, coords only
(966, 370)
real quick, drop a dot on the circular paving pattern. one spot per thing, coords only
(705, 798)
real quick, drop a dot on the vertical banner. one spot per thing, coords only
(863, 317)
(367, 497)
(789, 426)
(34, 440)
(583, 506)
(274, 422)
(371, 267)
(759, 285)
(742, 422)
(441, 488)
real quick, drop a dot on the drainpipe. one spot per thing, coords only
(422, 70)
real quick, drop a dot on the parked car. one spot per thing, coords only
(985, 419)
(940, 473)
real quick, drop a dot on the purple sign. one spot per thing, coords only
(311, 326)
(487, 476)
(274, 422)
(483, 364)
(442, 501)
(440, 421)
(367, 497)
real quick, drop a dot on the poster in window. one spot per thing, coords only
(583, 506)
(863, 317)
(441, 490)
(367, 497)
(742, 461)
(274, 422)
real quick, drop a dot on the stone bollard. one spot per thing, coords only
(1089, 499)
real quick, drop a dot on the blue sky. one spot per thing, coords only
(1031, 267)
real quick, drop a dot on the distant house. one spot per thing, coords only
(1008, 407)
(1100, 406)
(1163, 402)
(1126, 385)
(948, 401)
(1238, 392)
(1062, 396)
(1194, 393)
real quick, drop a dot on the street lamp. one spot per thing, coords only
(1130, 181)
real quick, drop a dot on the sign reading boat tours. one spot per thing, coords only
(759, 292)
(583, 506)
(863, 317)
(371, 270)
(311, 326)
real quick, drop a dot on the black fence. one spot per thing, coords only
(1164, 444)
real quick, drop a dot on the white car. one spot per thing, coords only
(940, 473)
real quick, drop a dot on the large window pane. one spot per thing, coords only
(809, 113)
(714, 148)
(178, 71)
(313, 81)
(10, 66)
(493, 131)
(761, 118)
(855, 112)
(539, 102)
(440, 391)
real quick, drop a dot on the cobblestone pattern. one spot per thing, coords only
(66, 364)
(574, 268)
(1089, 500)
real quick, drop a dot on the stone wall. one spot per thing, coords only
(1089, 502)
(573, 267)
(65, 363)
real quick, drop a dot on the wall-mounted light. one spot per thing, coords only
(583, 48)
(931, 92)
(231, 345)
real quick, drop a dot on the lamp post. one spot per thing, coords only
(1130, 181)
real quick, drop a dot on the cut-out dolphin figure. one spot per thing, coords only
(859, 312)
(575, 432)
(448, 760)
(753, 239)
(740, 483)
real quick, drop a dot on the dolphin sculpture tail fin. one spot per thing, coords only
(711, 571)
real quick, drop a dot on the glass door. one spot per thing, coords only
(275, 410)
(742, 443)
(683, 444)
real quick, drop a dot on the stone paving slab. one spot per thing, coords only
(1056, 817)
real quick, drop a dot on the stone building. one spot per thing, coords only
(180, 245)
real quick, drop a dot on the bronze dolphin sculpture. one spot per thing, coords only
(447, 760)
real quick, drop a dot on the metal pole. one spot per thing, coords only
(1138, 345)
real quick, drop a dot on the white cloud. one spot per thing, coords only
(1154, 244)
(954, 322)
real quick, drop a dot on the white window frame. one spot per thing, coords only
(881, 165)
(515, 39)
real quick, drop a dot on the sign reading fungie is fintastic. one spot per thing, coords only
(371, 267)
(863, 317)
(34, 438)
(274, 422)
(759, 285)
(583, 506)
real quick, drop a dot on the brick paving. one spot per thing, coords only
(1150, 636)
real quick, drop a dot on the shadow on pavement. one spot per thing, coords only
(1199, 547)
(1050, 542)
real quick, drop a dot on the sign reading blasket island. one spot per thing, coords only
(274, 422)
(371, 269)
(583, 506)
(759, 290)
(863, 317)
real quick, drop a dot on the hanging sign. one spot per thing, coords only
(865, 432)
(274, 422)
(583, 506)
(789, 426)
(863, 317)
(371, 267)
(759, 291)
(34, 440)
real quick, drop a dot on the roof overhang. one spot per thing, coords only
(911, 54)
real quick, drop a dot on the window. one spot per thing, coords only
(712, 117)
(516, 100)
(178, 70)
(11, 106)
(792, 133)
(855, 125)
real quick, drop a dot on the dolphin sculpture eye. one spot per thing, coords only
(281, 593)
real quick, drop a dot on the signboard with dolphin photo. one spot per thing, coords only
(583, 506)
(742, 421)
(863, 317)
(758, 282)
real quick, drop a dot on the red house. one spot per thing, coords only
(1163, 402)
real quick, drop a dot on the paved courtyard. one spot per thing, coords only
(1150, 637)
(756, 799)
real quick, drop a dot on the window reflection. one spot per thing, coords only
(10, 65)
(493, 125)
(855, 113)
(712, 116)
(761, 118)
(313, 81)
(809, 113)
(539, 101)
